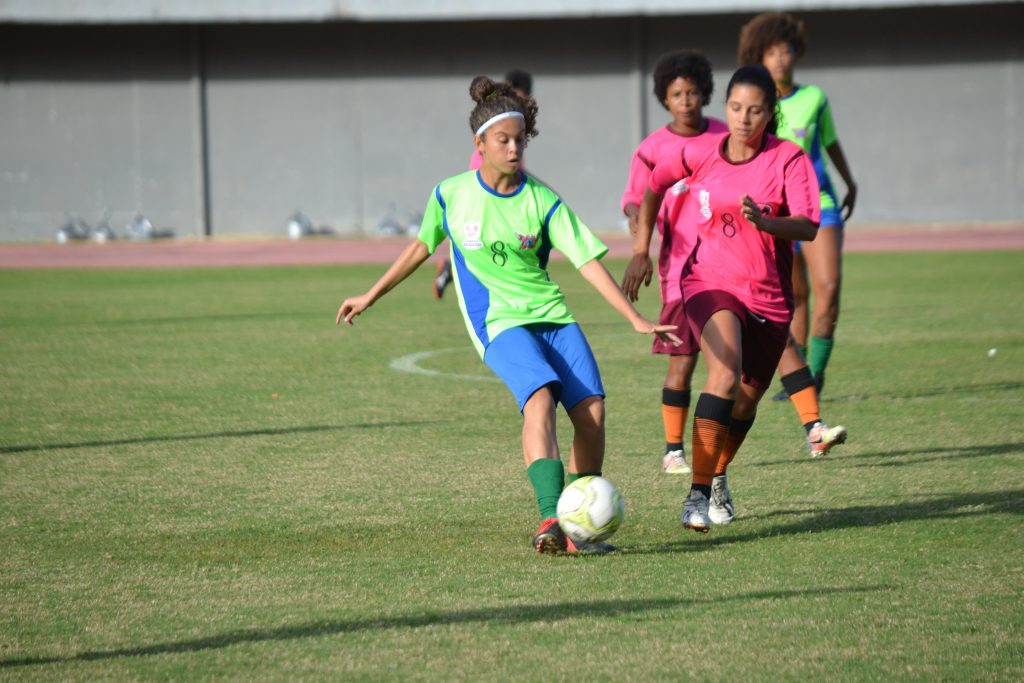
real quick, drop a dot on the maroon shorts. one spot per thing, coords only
(673, 313)
(763, 340)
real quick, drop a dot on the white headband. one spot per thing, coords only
(494, 119)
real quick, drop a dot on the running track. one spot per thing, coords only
(325, 250)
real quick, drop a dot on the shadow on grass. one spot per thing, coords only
(927, 392)
(518, 614)
(856, 517)
(935, 454)
(213, 435)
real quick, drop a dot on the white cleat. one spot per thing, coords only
(720, 510)
(695, 512)
(822, 438)
(674, 462)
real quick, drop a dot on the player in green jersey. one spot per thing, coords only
(502, 225)
(522, 82)
(777, 41)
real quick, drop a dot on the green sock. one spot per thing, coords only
(546, 476)
(573, 476)
(821, 349)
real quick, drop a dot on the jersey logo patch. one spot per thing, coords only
(705, 204)
(800, 133)
(471, 229)
(680, 187)
(526, 241)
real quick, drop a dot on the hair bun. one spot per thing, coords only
(481, 88)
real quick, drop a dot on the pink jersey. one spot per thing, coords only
(731, 254)
(677, 242)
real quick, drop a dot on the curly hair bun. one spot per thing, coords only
(481, 88)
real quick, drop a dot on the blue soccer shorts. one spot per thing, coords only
(533, 356)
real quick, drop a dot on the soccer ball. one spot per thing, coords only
(590, 509)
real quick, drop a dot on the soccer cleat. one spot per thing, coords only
(596, 548)
(674, 462)
(443, 278)
(695, 512)
(781, 396)
(549, 539)
(720, 510)
(822, 438)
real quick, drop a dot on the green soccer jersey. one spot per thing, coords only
(807, 121)
(500, 244)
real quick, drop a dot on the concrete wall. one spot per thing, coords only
(96, 119)
(351, 122)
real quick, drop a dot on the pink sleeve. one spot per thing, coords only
(636, 185)
(667, 173)
(803, 197)
(476, 161)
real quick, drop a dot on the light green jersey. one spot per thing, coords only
(500, 246)
(807, 121)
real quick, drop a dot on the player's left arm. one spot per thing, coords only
(830, 141)
(787, 227)
(801, 199)
(598, 276)
(835, 152)
(411, 258)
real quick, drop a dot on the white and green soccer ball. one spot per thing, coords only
(590, 509)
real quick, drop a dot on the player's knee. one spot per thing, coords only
(828, 292)
(588, 416)
(722, 381)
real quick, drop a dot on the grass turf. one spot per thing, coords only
(202, 478)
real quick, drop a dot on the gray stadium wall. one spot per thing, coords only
(228, 129)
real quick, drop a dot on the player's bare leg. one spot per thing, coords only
(824, 261)
(587, 454)
(798, 327)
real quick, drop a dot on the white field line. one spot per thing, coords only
(410, 364)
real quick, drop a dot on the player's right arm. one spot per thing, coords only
(431, 234)
(640, 268)
(639, 173)
(411, 258)
(598, 276)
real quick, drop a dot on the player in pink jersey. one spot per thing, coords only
(683, 84)
(754, 194)
(777, 41)
(522, 83)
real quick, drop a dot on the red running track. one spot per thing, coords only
(327, 250)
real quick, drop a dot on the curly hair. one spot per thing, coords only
(693, 66)
(758, 76)
(497, 98)
(767, 29)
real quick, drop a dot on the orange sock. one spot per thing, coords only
(800, 387)
(674, 419)
(710, 427)
(675, 409)
(806, 403)
(733, 440)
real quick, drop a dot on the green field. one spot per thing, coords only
(202, 478)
